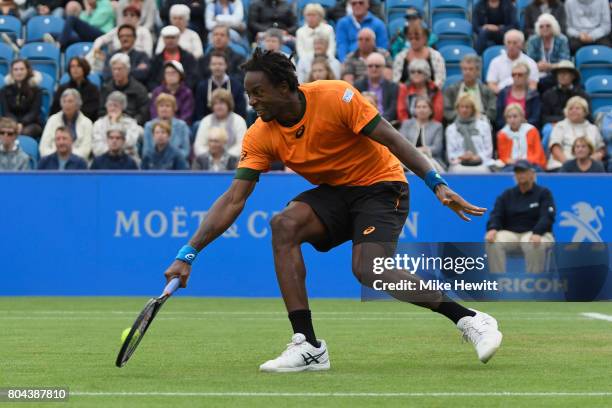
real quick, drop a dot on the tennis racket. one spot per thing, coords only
(142, 323)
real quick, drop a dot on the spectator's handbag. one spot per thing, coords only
(471, 163)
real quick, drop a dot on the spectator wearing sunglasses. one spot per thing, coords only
(385, 90)
(12, 157)
(519, 93)
(420, 85)
(354, 67)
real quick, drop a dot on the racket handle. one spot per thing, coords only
(171, 287)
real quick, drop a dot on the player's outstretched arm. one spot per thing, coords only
(221, 215)
(410, 157)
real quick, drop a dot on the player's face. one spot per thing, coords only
(267, 100)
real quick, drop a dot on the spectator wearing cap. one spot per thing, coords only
(115, 118)
(417, 36)
(520, 93)
(321, 46)
(180, 135)
(414, 18)
(115, 158)
(122, 81)
(385, 90)
(314, 26)
(148, 12)
(349, 27)
(78, 70)
(420, 85)
(519, 140)
(219, 79)
(354, 66)
(499, 74)
(569, 129)
(547, 47)
(521, 222)
(12, 156)
(189, 40)
(143, 38)
(491, 19)
(70, 117)
(220, 42)
(172, 52)
(264, 14)
(228, 13)
(588, 23)
(163, 155)
(80, 25)
(485, 99)
(62, 157)
(174, 84)
(568, 86)
(139, 61)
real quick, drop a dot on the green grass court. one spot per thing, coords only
(205, 353)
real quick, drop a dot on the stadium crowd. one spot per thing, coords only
(157, 85)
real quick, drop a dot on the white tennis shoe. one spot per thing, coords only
(481, 330)
(300, 355)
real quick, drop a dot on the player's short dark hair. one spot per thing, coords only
(275, 66)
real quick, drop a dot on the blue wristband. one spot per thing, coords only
(187, 254)
(432, 179)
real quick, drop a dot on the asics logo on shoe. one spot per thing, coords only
(311, 358)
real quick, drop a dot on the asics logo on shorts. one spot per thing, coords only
(310, 359)
(369, 230)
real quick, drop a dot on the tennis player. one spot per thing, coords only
(329, 134)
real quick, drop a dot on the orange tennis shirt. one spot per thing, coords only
(326, 146)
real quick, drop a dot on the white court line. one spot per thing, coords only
(259, 313)
(254, 318)
(599, 316)
(343, 394)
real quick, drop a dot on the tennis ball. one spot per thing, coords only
(125, 334)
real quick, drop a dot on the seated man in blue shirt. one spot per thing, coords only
(62, 159)
(348, 27)
(164, 156)
(115, 158)
(521, 221)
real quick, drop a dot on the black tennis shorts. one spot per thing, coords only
(374, 213)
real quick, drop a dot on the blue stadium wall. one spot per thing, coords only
(114, 234)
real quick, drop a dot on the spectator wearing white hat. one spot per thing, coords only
(189, 40)
(172, 51)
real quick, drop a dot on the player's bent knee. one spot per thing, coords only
(284, 228)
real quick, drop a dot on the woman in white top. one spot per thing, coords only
(314, 23)
(469, 143)
(569, 129)
(222, 116)
(189, 40)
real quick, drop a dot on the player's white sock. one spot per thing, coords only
(481, 330)
(299, 356)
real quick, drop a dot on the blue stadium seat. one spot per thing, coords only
(599, 89)
(6, 57)
(39, 25)
(487, 57)
(93, 78)
(453, 54)
(30, 147)
(79, 49)
(453, 79)
(10, 25)
(44, 57)
(602, 109)
(397, 8)
(453, 31)
(441, 9)
(521, 5)
(48, 89)
(396, 25)
(594, 60)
